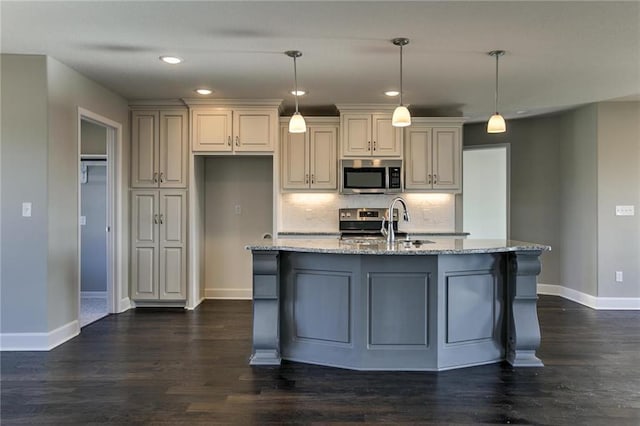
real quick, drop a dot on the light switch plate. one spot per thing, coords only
(83, 220)
(26, 209)
(625, 211)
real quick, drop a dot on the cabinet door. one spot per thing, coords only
(174, 149)
(417, 159)
(173, 247)
(212, 130)
(295, 160)
(355, 136)
(254, 130)
(323, 159)
(144, 149)
(387, 140)
(144, 245)
(447, 155)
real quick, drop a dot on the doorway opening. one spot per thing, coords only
(485, 201)
(98, 218)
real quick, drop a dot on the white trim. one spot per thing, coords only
(191, 308)
(94, 294)
(228, 293)
(39, 341)
(594, 302)
(124, 305)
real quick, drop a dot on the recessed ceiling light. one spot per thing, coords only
(392, 93)
(171, 59)
(204, 91)
(298, 93)
(522, 111)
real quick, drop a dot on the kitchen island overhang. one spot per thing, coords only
(447, 304)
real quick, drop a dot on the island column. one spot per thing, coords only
(266, 308)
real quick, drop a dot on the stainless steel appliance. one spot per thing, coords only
(375, 176)
(364, 223)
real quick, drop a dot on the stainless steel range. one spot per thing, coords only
(364, 223)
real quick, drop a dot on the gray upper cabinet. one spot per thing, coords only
(159, 148)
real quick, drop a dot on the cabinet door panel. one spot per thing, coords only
(144, 268)
(387, 140)
(212, 130)
(295, 154)
(254, 130)
(356, 135)
(417, 161)
(446, 158)
(143, 217)
(173, 276)
(173, 149)
(173, 220)
(323, 144)
(144, 149)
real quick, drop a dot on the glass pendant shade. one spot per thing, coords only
(401, 117)
(496, 124)
(297, 123)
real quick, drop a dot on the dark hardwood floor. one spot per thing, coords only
(177, 367)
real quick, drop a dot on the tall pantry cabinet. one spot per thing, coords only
(159, 165)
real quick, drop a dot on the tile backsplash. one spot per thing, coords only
(318, 212)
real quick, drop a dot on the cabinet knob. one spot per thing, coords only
(229, 140)
(161, 177)
(155, 177)
(369, 146)
(155, 219)
(237, 141)
(161, 218)
(374, 145)
(306, 178)
(313, 178)
(435, 179)
(429, 179)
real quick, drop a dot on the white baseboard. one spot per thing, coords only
(594, 302)
(191, 308)
(228, 293)
(39, 341)
(124, 305)
(94, 294)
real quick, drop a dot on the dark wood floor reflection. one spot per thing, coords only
(177, 367)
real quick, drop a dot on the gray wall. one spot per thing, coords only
(40, 101)
(578, 218)
(535, 186)
(24, 178)
(618, 184)
(93, 240)
(93, 138)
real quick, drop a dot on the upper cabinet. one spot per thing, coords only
(309, 160)
(369, 135)
(433, 156)
(234, 130)
(159, 148)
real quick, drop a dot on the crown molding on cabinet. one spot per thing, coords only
(233, 102)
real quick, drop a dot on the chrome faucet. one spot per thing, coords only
(388, 232)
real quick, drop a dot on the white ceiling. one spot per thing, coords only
(559, 54)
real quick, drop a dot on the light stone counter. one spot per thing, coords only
(427, 246)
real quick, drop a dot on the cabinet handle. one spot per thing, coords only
(229, 140)
(155, 219)
(237, 141)
(161, 177)
(429, 179)
(313, 178)
(369, 146)
(374, 145)
(161, 218)
(306, 178)
(155, 177)
(435, 179)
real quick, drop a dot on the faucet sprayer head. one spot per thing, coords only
(406, 216)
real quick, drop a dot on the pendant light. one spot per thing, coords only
(297, 123)
(496, 123)
(401, 116)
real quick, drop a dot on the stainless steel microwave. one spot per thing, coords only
(370, 176)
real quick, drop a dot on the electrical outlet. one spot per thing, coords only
(625, 211)
(26, 209)
(618, 276)
(83, 220)
(237, 209)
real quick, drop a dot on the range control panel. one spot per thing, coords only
(365, 214)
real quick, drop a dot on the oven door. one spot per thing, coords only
(364, 180)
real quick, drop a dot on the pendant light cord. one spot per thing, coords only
(497, 56)
(295, 78)
(400, 74)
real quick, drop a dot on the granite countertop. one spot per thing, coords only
(437, 245)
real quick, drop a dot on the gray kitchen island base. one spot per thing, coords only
(401, 312)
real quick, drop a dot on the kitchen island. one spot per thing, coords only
(417, 305)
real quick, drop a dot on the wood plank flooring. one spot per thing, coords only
(175, 367)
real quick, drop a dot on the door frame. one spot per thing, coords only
(114, 208)
(507, 147)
